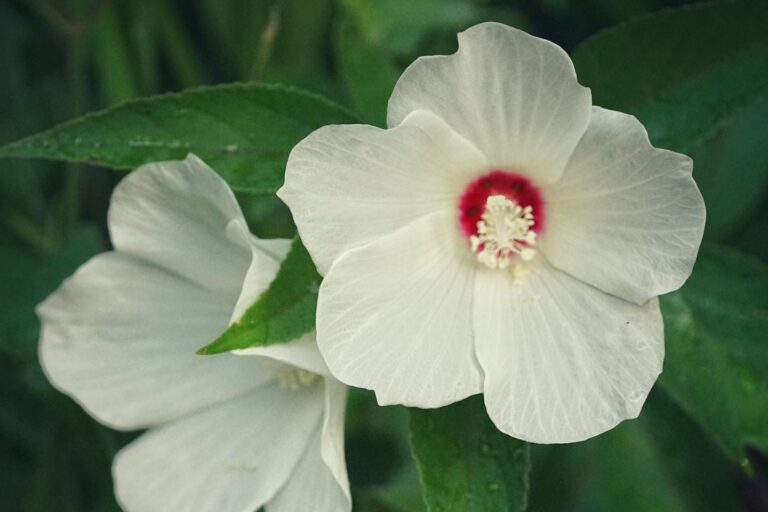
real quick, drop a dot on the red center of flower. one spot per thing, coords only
(511, 185)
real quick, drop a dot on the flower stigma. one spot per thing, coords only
(293, 379)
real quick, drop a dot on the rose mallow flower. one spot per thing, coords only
(502, 236)
(226, 433)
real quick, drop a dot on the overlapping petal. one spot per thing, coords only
(120, 337)
(175, 214)
(231, 458)
(514, 96)
(563, 361)
(301, 353)
(311, 487)
(395, 315)
(347, 185)
(332, 433)
(316, 483)
(625, 216)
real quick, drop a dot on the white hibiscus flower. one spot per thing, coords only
(226, 433)
(503, 236)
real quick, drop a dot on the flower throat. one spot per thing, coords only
(501, 213)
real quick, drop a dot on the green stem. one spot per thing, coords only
(39, 239)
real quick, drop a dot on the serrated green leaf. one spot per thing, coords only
(283, 312)
(243, 131)
(716, 352)
(465, 463)
(683, 72)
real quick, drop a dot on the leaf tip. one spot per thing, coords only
(210, 349)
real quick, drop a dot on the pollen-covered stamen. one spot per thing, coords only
(504, 232)
(293, 379)
(502, 214)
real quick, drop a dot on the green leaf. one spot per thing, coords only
(751, 237)
(716, 352)
(660, 461)
(283, 312)
(465, 463)
(243, 131)
(731, 170)
(682, 72)
(698, 471)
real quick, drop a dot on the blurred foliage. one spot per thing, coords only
(716, 342)
(494, 473)
(62, 58)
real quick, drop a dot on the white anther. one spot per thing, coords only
(504, 232)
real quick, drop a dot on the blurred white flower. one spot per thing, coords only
(503, 236)
(226, 433)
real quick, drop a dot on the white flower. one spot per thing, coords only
(503, 236)
(226, 433)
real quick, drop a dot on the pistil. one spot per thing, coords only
(504, 232)
(295, 378)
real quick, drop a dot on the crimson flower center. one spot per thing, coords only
(501, 214)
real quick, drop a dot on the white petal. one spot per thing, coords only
(302, 353)
(120, 337)
(234, 457)
(175, 214)
(332, 434)
(563, 361)
(346, 185)
(625, 217)
(514, 96)
(313, 486)
(395, 315)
